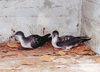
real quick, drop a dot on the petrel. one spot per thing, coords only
(67, 41)
(32, 41)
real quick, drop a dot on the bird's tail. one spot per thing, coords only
(47, 37)
(84, 39)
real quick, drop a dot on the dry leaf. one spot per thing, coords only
(82, 50)
(46, 58)
(91, 57)
(11, 53)
(60, 60)
(1, 56)
(21, 54)
(28, 63)
(98, 60)
(66, 50)
(69, 61)
(14, 44)
(61, 53)
(63, 60)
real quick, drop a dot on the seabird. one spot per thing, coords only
(32, 41)
(67, 42)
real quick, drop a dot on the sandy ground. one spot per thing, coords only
(47, 59)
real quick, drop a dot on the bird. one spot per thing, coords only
(32, 41)
(67, 41)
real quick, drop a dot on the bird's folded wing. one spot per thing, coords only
(68, 42)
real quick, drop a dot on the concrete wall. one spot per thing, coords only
(91, 23)
(32, 16)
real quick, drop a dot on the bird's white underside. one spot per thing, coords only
(54, 41)
(68, 47)
(25, 45)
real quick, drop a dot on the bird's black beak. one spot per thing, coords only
(12, 36)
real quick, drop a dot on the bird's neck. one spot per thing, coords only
(54, 39)
(21, 38)
(24, 43)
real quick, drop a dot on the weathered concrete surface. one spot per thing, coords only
(32, 16)
(82, 65)
(91, 23)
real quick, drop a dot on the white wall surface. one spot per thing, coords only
(91, 23)
(31, 16)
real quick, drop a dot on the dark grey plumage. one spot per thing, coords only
(67, 42)
(32, 41)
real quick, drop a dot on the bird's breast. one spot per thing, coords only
(54, 42)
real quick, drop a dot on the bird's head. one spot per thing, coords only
(19, 35)
(55, 33)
